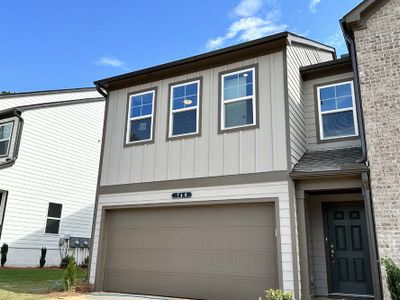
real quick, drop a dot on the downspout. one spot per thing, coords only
(357, 91)
(101, 90)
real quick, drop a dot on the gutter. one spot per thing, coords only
(101, 90)
(357, 91)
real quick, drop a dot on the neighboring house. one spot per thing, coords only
(235, 171)
(49, 154)
(373, 30)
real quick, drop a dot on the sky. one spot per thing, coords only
(50, 44)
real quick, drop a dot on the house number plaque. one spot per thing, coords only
(182, 195)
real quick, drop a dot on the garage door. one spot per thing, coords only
(203, 252)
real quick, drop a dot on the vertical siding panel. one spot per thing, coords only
(188, 151)
(161, 152)
(175, 154)
(231, 153)
(216, 140)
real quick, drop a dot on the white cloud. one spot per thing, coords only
(253, 23)
(111, 62)
(336, 40)
(247, 8)
(313, 5)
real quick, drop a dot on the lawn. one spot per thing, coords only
(31, 283)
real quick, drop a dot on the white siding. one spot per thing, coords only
(279, 190)
(28, 99)
(299, 56)
(311, 114)
(212, 154)
(58, 162)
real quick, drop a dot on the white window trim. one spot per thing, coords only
(253, 97)
(321, 113)
(52, 218)
(129, 118)
(172, 111)
(9, 139)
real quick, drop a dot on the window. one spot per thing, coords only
(140, 117)
(184, 109)
(53, 218)
(238, 94)
(5, 137)
(337, 114)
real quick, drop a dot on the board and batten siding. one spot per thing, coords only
(211, 154)
(299, 56)
(268, 191)
(57, 162)
(311, 122)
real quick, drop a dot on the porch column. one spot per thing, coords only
(303, 246)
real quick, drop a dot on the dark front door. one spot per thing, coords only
(349, 268)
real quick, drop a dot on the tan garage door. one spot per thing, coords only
(203, 252)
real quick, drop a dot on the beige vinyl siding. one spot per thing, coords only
(211, 154)
(311, 121)
(298, 56)
(57, 162)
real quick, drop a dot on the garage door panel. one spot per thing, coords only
(217, 238)
(205, 252)
(187, 217)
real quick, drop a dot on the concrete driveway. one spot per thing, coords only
(116, 296)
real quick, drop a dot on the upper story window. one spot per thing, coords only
(184, 109)
(53, 218)
(5, 137)
(238, 99)
(140, 117)
(337, 113)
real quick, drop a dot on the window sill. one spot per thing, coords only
(235, 129)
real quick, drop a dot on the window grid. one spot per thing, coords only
(243, 98)
(188, 108)
(140, 117)
(333, 111)
(6, 139)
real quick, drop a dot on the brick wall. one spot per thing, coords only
(378, 55)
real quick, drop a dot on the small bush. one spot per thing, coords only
(4, 251)
(65, 261)
(42, 260)
(393, 278)
(69, 277)
(278, 295)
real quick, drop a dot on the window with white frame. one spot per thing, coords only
(184, 109)
(140, 117)
(238, 99)
(53, 218)
(337, 113)
(5, 137)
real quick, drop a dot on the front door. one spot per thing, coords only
(349, 268)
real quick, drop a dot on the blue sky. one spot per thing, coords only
(48, 44)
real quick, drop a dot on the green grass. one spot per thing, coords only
(27, 283)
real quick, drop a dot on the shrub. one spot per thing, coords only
(42, 260)
(278, 295)
(4, 251)
(393, 278)
(65, 261)
(69, 277)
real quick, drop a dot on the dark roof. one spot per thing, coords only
(210, 59)
(48, 92)
(335, 161)
(358, 15)
(328, 68)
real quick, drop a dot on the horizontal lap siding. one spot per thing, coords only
(211, 154)
(298, 56)
(58, 162)
(311, 121)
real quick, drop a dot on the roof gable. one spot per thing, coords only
(358, 16)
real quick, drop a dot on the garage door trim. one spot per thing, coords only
(107, 209)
